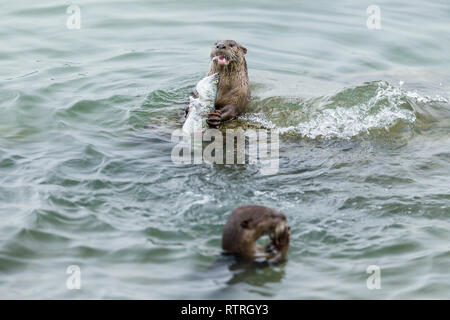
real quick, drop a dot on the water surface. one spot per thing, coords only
(85, 171)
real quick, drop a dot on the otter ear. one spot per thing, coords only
(244, 49)
(246, 223)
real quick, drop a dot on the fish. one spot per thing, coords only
(202, 105)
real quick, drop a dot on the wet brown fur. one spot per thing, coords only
(234, 88)
(248, 223)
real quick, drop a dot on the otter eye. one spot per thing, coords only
(231, 45)
(246, 223)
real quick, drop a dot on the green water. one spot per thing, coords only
(86, 176)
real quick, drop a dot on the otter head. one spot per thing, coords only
(247, 224)
(227, 53)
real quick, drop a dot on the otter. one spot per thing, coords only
(247, 224)
(241, 255)
(227, 59)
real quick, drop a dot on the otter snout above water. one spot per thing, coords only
(247, 224)
(228, 59)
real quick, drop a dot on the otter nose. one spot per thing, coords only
(220, 45)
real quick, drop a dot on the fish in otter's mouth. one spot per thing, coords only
(279, 236)
(249, 223)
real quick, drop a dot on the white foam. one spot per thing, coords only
(388, 106)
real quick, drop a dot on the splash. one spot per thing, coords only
(350, 112)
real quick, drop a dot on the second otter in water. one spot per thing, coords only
(227, 59)
(247, 224)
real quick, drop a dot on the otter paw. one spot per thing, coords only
(214, 119)
(281, 243)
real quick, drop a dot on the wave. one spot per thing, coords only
(350, 112)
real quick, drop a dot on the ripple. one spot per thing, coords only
(86, 176)
(349, 113)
